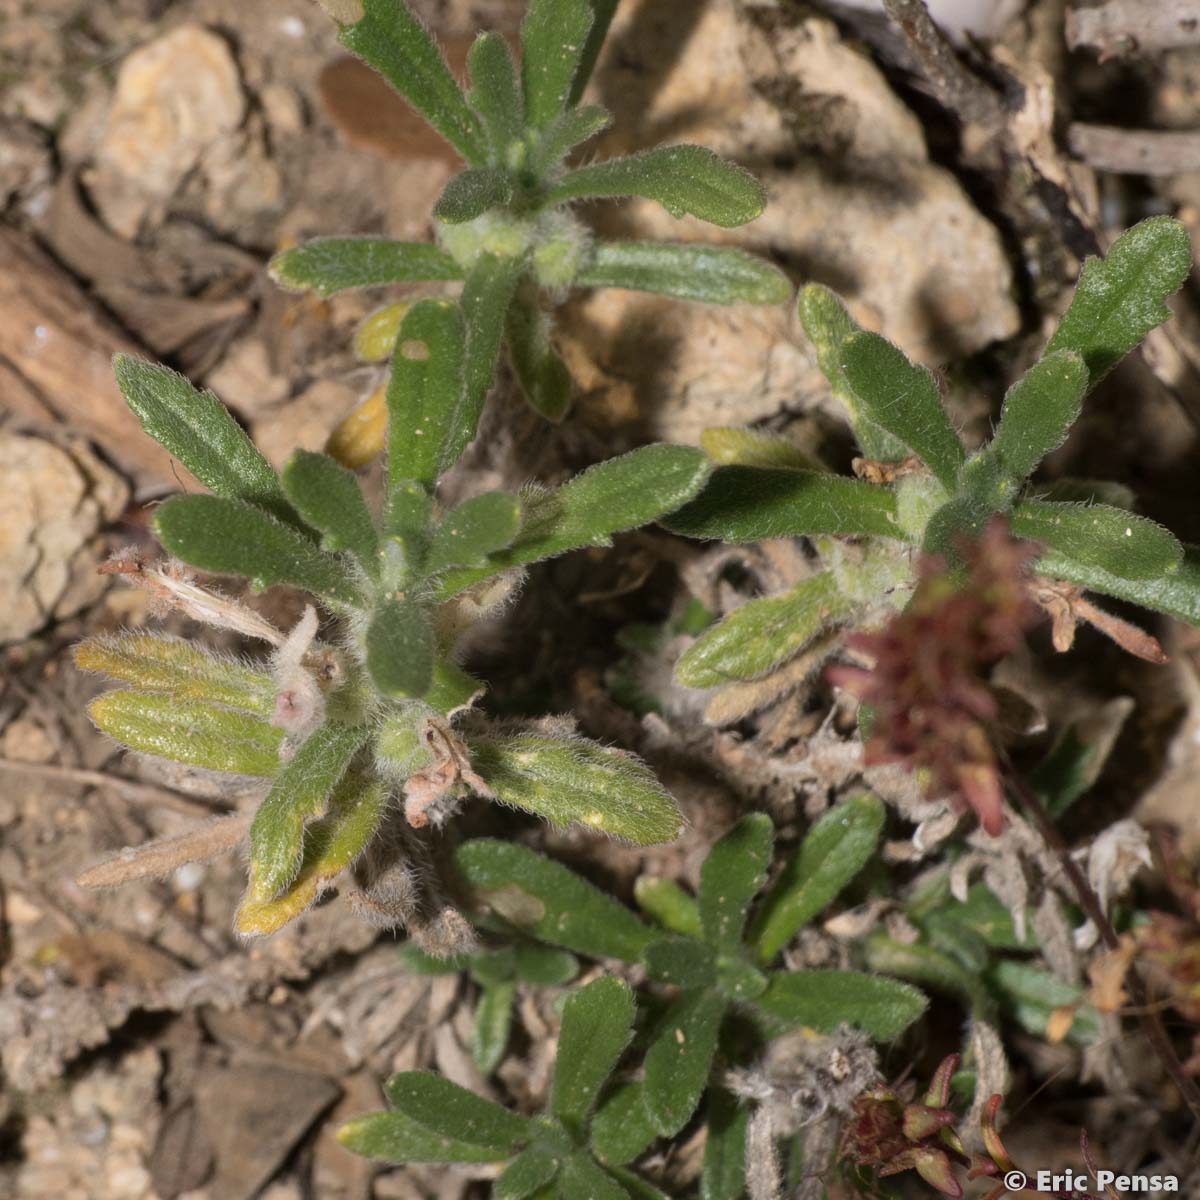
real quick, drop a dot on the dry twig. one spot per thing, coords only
(1125, 26)
(1135, 151)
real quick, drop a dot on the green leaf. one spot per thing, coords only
(822, 999)
(602, 15)
(835, 849)
(961, 943)
(984, 914)
(545, 967)
(425, 392)
(683, 179)
(299, 793)
(492, 1025)
(954, 525)
(621, 1130)
(417, 962)
(189, 731)
(579, 1178)
(1119, 298)
(196, 428)
(622, 493)
(573, 779)
(827, 325)
(549, 902)
(732, 874)
(1073, 764)
(488, 967)
(1033, 994)
(729, 446)
(724, 1175)
(393, 1137)
(710, 274)
(407, 525)
(930, 967)
(681, 961)
(597, 1024)
(553, 36)
(456, 1113)
(903, 398)
(470, 194)
(746, 504)
(328, 497)
(390, 39)
(668, 904)
(636, 1186)
(473, 530)
(532, 1169)
(755, 638)
(183, 670)
(231, 537)
(331, 265)
(680, 1057)
(1096, 535)
(400, 648)
(1038, 412)
(564, 133)
(494, 94)
(542, 374)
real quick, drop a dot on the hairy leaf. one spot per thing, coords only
(711, 274)
(580, 1178)
(597, 1024)
(455, 1112)
(400, 648)
(903, 399)
(681, 961)
(392, 40)
(337, 264)
(834, 850)
(549, 902)
(732, 875)
(494, 94)
(564, 133)
(745, 504)
(1034, 994)
(621, 1130)
(542, 374)
(553, 36)
(724, 1175)
(1038, 412)
(668, 904)
(822, 999)
(328, 497)
(569, 779)
(492, 1025)
(470, 194)
(474, 529)
(532, 1169)
(930, 967)
(733, 447)
(1119, 298)
(683, 179)
(680, 1057)
(393, 1137)
(231, 537)
(543, 966)
(602, 15)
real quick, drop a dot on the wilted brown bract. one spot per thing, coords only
(159, 858)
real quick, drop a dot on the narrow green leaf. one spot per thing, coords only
(1119, 298)
(1033, 995)
(549, 902)
(541, 373)
(622, 493)
(544, 966)
(407, 526)
(393, 1137)
(1095, 535)
(621, 1130)
(755, 638)
(955, 939)
(183, 670)
(683, 179)
(470, 194)
(573, 779)
(823, 999)
(489, 967)
(955, 525)
(473, 530)
(188, 731)
(732, 875)
(597, 1024)
(328, 497)
(680, 1057)
(636, 1186)
(932, 968)
(681, 961)
(231, 537)
(425, 392)
(331, 265)
(602, 15)
(564, 133)
(456, 1113)
(984, 914)
(553, 36)
(903, 398)
(494, 94)
(580, 1178)
(724, 1175)
(668, 904)
(746, 504)
(828, 324)
(196, 428)
(390, 39)
(299, 793)
(1072, 765)
(834, 850)
(1038, 412)
(492, 1025)
(532, 1169)
(710, 274)
(400, 648)
(729, 446)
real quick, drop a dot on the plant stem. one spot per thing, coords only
(1147, 1016)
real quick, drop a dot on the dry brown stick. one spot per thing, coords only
(146, 793)
(1123, 26)
(1147, 1015)
(957, 88)
(1135, 151)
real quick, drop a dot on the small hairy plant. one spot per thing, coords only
(919, 489)
(504, 225)
(347, 723)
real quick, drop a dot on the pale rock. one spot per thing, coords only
(26, 741)
(245, 379)
(303, 423)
